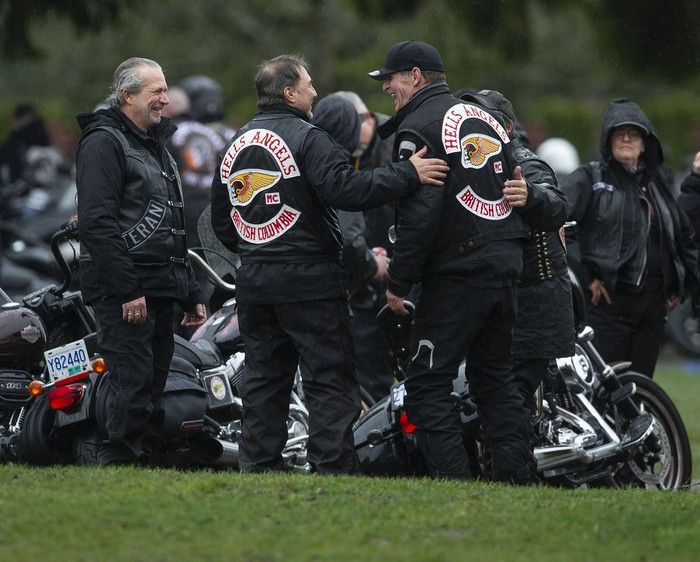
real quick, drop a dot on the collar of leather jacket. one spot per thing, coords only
(113, 117)
(282, 108)
(391, 126)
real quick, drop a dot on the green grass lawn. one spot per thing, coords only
(131, 514)
(138, 514)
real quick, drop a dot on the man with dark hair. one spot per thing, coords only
(464, 243)
(544, 329)
(365, 257)
(133, 262)
(273, 202)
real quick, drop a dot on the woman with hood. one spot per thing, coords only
(633, 247)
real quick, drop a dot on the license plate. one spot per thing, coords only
(67, 360)
(397, 395)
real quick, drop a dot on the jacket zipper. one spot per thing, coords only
(646, 238)
(622, 223)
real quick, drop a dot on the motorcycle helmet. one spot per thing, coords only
(22, 339)
(560, 154)
(206, 98)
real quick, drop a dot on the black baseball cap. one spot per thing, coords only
(407, 55)
(490, 99)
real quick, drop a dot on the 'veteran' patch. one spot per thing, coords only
(268, 231)
(456, 115)
(490, 210)
(477, 149)
(267, 140)
(244, 184)
(147, 225)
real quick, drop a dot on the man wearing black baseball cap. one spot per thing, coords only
(465, 245)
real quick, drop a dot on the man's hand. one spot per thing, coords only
(383, 262)
(673, 303)
(195, 317)
(396, 304)
(515, 190)
(431, 171)
(598, 290)
(134, 312)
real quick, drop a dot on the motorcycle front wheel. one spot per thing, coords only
(663, 460)
(40, 443)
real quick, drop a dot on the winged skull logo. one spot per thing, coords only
(246, 183)
(477, 149)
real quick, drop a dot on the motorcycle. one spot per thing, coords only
(46, 318)
(201, 401)
(596, 424)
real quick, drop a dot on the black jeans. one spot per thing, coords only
(314, 335)
(452, 321)
(138, 358)
(630, 329)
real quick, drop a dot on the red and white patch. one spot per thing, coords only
(489, 210)
(456, 115)
(272, 198)
(262, 138)
(268, 231)
(477, 149)
(498, 167)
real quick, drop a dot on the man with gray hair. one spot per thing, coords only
(133, 262)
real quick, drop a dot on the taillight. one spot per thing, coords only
(66, 397)
(406, 426)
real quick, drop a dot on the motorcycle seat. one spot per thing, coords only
(202, 354)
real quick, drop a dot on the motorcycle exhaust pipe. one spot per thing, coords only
(214, 452)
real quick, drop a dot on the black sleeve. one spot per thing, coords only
(578, 190)
(357, 256)
(341, 186)
(418, 221)
(100, 169)
(546, 203)
(689, 200)
(221, 208)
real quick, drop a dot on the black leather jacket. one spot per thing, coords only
(608, 203)
(131, 221)
(544, 256)
(447, 230)
(273, 202)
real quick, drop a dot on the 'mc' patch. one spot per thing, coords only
(244, 184)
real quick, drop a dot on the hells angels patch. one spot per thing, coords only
(245, 184)
(489, 210)
(477, 149)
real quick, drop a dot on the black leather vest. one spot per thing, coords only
(478, 152)
(277, 214)
(151, 218)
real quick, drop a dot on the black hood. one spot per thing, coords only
(113, 117)
(622, 111)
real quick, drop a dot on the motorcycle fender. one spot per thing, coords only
(81, 413)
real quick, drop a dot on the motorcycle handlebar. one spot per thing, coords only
(212, 275)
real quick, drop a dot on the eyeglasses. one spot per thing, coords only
(632, 132)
